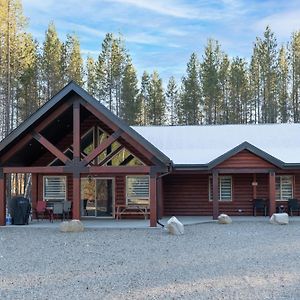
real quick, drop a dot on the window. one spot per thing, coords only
(137, 190)
(225, 188)
(54, 188)
(284, 187)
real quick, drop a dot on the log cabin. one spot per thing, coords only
(76, 149)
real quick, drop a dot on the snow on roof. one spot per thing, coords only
(202, 144)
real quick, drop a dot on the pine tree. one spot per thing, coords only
(282, 86)
(144, 98)
(12, 26)
(255, 88)
(157, 102)
(172, 97)
(110, 68)
(130, 106)
(74, 65)
(267, 51)
(294, 54)
(28, 99)
(210, 81)
(190, 94)
(224, 87)
(52, 72)
(91, 80)
(239, 92)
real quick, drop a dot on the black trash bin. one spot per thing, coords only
(19, 210)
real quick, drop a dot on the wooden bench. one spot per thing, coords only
(132, 210)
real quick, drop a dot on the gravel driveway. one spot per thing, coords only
(243, 260)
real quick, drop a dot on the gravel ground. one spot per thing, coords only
(243, 260)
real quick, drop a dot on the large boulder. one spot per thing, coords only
(71, 226)
(281, 219)
(174, 226)
(224, 219)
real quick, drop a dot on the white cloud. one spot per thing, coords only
(283, 23)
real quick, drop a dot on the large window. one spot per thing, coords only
(137, 190)
(225, 188)
(284, 187)
(54, 188)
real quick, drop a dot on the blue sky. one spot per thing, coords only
(161, 34)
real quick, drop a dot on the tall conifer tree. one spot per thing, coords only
(190, 93)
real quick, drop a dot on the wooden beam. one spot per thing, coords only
(114, 127)
(34, 189)
(111, 155)
(153, 201)
(76, 196)
(100, 148)
(42, 170)
(28, 137)
(272, 193)
(2, 198)
(117, 170)
(254, 186)
(244, 171)
(99, 115)
(76, 131)
(127, 160)
(54, 115)
(215, 195)
(48, 145)
(160, 198)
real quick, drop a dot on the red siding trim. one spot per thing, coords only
(245, 159)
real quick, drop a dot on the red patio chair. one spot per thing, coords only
(41, 209)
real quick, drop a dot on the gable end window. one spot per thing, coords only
(225, 188)
(137, 190)
(284, 187)
(55, 188)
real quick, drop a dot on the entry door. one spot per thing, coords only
(104, 198)
(97, 197)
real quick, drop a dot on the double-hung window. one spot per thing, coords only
(137, 190)
(224, 186)
(284, 187)
(55, 188)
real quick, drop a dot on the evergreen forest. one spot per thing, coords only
(215, 89)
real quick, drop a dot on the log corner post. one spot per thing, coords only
(76, 196)
(76, 131)
(2, 198)
(215, 195)
(153, 200)
(272, 193)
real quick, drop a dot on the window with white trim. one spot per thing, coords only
(284, 187)
(225, 188)
(137, 190)
(55, 188)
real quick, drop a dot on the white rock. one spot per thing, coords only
(71, 226)
(224, 219)
(174, 226)
(281, 219)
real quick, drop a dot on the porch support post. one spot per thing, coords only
(254, 186)
(76, 196)
(153, 200)
(272, 193)
(2, 198)
(160, 197)
(34, 189)
(76, 131)
(215, 195)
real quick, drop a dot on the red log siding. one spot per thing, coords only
(120, 190)
(187, 194)
(245, 159)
